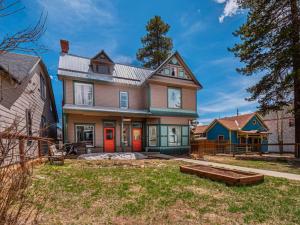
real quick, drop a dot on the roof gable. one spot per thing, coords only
(102, 57)
(175, 63)
(255, 123)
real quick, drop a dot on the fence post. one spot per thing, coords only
(21, 152)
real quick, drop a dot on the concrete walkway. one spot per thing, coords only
(271, 173)
(289, 176)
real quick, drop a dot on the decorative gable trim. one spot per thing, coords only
(176, 54)
(260, 120)
(102, 55)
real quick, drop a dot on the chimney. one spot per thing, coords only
(64, 44)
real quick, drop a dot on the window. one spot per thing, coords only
(103, 69)
(291, 122)
(254, 122)
(29, 125)
(221, 138)
(174, 98)
(174, 136)
(174, 72)
(42, 87)
(174, 61)
(124, 100)
(181, 73)
(85, 134)
(152, 135)
(83, 93)
(43, 125)
(167, 71)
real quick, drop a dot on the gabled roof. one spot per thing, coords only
(176, 54)
(200, 129)
(236, 122)
(18, 66)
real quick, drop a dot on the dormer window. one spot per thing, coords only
(102, 64)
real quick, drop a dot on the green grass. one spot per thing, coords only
(275, 166)
(155, 192)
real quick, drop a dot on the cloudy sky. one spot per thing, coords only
(201, 32)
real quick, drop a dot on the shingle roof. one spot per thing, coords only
(77, 66)
(236, 122)
(200, 129)
(18, 66)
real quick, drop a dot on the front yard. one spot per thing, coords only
(155, 192)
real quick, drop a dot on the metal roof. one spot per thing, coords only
(18, 66)
(79, 67)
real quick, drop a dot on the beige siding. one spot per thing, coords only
(174, 120)
(68, 91)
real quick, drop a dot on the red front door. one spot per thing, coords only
(109, 139)
(137, 139)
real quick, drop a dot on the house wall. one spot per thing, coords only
(174, 120)
(17, 98)
(109, 95)
(288, 131)
(159, 97)
(216, 130)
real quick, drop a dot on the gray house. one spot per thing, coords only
(26, 96)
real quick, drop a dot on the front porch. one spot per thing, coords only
(102, 133)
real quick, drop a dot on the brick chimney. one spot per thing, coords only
(64, 44)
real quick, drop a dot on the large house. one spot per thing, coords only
(241, 129)
(281, 126)
(115, 107)
(26, 96)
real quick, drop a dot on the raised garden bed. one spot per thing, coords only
(228, 176)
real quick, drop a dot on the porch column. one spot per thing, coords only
(122, 136)
(246, 142)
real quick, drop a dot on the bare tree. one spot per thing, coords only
(25, 40)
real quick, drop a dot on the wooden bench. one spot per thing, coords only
(56, 157)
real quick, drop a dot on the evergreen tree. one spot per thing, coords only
(156, 45)
(270, 48)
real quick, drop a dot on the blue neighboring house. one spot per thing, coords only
(241, 129)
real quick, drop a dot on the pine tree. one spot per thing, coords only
(156, 45)
(270, 48)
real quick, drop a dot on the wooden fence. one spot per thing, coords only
(17, 148)
(206, 147)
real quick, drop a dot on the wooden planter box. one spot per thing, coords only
(228, 176)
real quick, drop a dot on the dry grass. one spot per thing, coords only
(155, 192)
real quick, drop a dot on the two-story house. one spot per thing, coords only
(26, 98)
(115, 107)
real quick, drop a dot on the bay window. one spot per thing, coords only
(174, 136)
(85, 134)
(174, 98)
(83, 93)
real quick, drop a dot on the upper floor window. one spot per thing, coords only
(174, 98)
(103, 69)
(124, 99)
(181, 73)
(174, 72)
(291, 122)
(42, 87)
(29, 125)
(83, 93)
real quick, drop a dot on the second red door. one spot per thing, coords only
(137, 139)
(109, 139)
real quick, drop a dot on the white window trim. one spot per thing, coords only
(127, 105)
(82, 83)
(86, 124)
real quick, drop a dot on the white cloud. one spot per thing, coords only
(231, 8)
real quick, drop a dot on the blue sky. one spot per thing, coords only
(201, 32)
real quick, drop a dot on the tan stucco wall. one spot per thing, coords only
(108, 95)
(159, 97)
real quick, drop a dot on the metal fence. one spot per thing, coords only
(205, 147)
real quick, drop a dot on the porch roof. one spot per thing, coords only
(86, 108)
